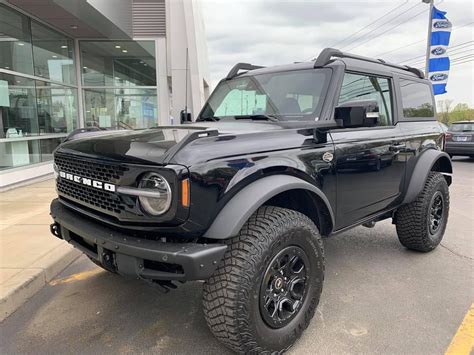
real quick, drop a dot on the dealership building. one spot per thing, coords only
(117, 64)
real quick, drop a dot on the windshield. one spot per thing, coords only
(293, 95)
(462, 127)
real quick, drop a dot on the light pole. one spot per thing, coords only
(428, 41)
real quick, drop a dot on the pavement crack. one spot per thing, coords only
(456, 253)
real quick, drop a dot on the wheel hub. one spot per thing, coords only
(436, 212)
(284, 286)
(279, 283)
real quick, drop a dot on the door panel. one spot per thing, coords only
(370, 168)
(370, 161)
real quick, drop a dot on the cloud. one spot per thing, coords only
(271, 32)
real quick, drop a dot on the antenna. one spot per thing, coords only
(186, 86)
(184, 115)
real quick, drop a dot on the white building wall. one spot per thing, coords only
(186, 34)
(185, 31)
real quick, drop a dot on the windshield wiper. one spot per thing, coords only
(265, 117)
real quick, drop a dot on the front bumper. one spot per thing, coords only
(131, 256)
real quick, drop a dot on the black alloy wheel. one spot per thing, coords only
(284, 286)
(436, 213)
(267, 287)
(421, 223)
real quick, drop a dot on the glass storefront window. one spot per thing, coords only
(57, 108)
(15, 41)
(53, 55)
(47, 147)
(34, 117)
(21, 152)
(118, 63)
(15, 153)
(18, 115)
(121, 108)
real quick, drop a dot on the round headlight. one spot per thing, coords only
(158, 194)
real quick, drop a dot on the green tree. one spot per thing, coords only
(444, 107)
(460, 112)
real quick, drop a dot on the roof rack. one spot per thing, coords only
(328, 53)
(241, 66)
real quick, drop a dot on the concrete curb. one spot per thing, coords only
(24, 284)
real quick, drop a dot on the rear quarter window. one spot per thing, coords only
(417, 100)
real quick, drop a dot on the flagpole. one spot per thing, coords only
(428, 41)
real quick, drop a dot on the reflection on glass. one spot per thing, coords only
(57, 108)
(121, 108)
(18, 117)
(416, 99)
(118, 63)
(15, 46)
(357, 87)
(18, 153)
(52, 54)
(47, 147)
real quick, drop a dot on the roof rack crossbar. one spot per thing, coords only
(328, 53)
(241, 66)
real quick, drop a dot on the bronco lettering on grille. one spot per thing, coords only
(88, 182)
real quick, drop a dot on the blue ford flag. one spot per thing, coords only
(438, 66)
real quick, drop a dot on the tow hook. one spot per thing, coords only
(108, 260)
(55, 229)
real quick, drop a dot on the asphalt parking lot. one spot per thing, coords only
(378, 298)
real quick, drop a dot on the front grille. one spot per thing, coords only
(105, 201)
(94, 170)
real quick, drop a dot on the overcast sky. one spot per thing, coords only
(270, 32)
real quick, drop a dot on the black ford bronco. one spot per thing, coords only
(277, 159)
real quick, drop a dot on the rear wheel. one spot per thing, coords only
(266, 289)
(421, 223)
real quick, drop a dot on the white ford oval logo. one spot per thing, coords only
(442, 24)
(438, 51)
(438, 77)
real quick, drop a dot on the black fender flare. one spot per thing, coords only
(419, 173)
(238, 210)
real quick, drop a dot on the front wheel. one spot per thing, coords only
(266, 289)
(421, 223)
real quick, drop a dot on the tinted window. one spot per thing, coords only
(15, 42)
(289, 95)
(52, 54)
(118, 63)
(356, 87)
(462, 127)
(416, 99)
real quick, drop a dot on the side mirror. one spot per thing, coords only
(358, 113)
(185, 117)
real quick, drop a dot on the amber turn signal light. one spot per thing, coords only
(185, 193)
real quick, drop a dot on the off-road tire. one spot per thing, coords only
(231, 295)
(412, 220)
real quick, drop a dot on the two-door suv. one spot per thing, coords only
(277, 159)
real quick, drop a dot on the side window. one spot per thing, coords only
(417, 100)
(364, 87)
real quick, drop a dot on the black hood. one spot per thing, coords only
(157, 145)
